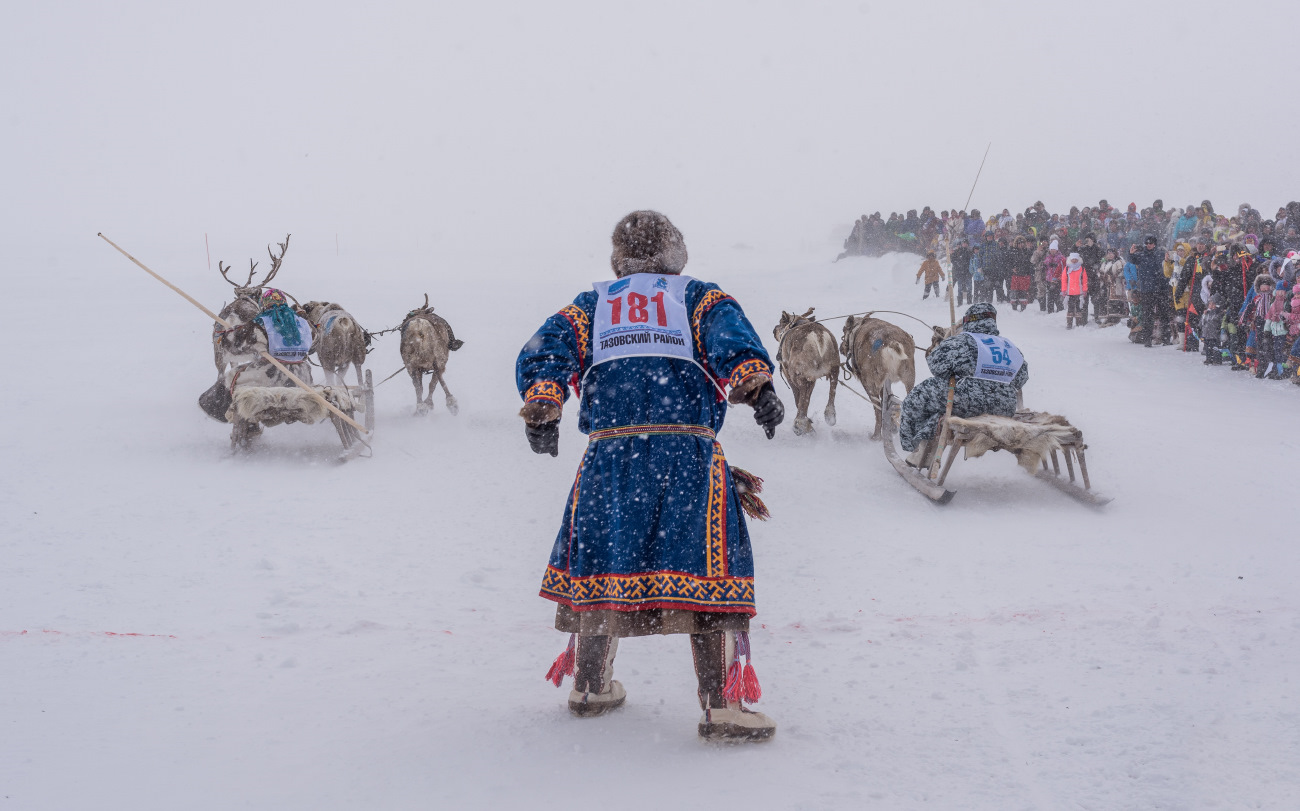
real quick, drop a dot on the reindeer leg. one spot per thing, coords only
(356, 364)
(417, 378)
(802, 397)
(873, 394)
(830, 403)
(428, 401)
(452, 405)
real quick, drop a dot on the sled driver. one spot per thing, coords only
(652, 540)
(988, 372)
(280, 332)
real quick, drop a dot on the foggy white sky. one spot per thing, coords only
(491, 134)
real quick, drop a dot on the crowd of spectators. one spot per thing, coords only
(1219, 284)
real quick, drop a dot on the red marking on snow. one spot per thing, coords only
(448, 633)
(93, 633)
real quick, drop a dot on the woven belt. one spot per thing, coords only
(646, 430)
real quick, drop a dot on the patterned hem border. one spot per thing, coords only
(646, 606)
(650, 589)
(545, 390)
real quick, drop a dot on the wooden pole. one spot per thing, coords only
(977, 175)
(277, 364)
(945, 432)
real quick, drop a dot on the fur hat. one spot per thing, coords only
(978, 312)
(1263, 278)
(647, 242)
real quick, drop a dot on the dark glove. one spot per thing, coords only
(545, 438)
(768, 411)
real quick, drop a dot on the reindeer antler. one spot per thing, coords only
(252, 266)
(224, 270)
(276, 260)
(809, 313)
(426, 302)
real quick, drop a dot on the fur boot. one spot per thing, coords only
(594, 691)
(723, 720)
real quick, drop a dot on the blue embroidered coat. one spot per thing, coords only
(652, 520)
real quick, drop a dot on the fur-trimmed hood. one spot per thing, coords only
(647, 242)
(981, 318)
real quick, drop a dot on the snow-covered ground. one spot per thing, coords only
(184, 628)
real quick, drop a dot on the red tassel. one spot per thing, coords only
(732, 690)
(748, 486)
(746, 481)
(750, 690)
(563, 664)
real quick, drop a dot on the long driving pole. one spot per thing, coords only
(952, 303)
(223, 322)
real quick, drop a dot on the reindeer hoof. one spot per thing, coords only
(422, 408)
(453, 406)
(830, 417)
(802, 427)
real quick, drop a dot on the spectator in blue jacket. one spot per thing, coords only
(1153, 291)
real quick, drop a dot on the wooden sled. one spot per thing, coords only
(257, 407)
(363, 400)
(919, 478)
(957, 435)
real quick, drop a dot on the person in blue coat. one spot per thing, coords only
(653, 539)
(1153, 289)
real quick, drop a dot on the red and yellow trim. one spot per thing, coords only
(638, 592)
(706, 303)
(547, 391)
(581, 325)
(748, 369)
(715, 523)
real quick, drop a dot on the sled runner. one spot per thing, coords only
(1031, 436)
(917, 477)
(253, 407)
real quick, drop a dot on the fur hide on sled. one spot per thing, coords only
(1030, 435)
(276, 405)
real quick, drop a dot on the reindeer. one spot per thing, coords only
(806, 352)
(877, 352)
(341, 340)
(244, 308)
(427, 340)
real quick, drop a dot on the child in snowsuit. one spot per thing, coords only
(933, 273)
(1211, 324)
(1074, 287)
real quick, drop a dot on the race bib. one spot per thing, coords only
(642, 315)
(998, 360)
(286, 352)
